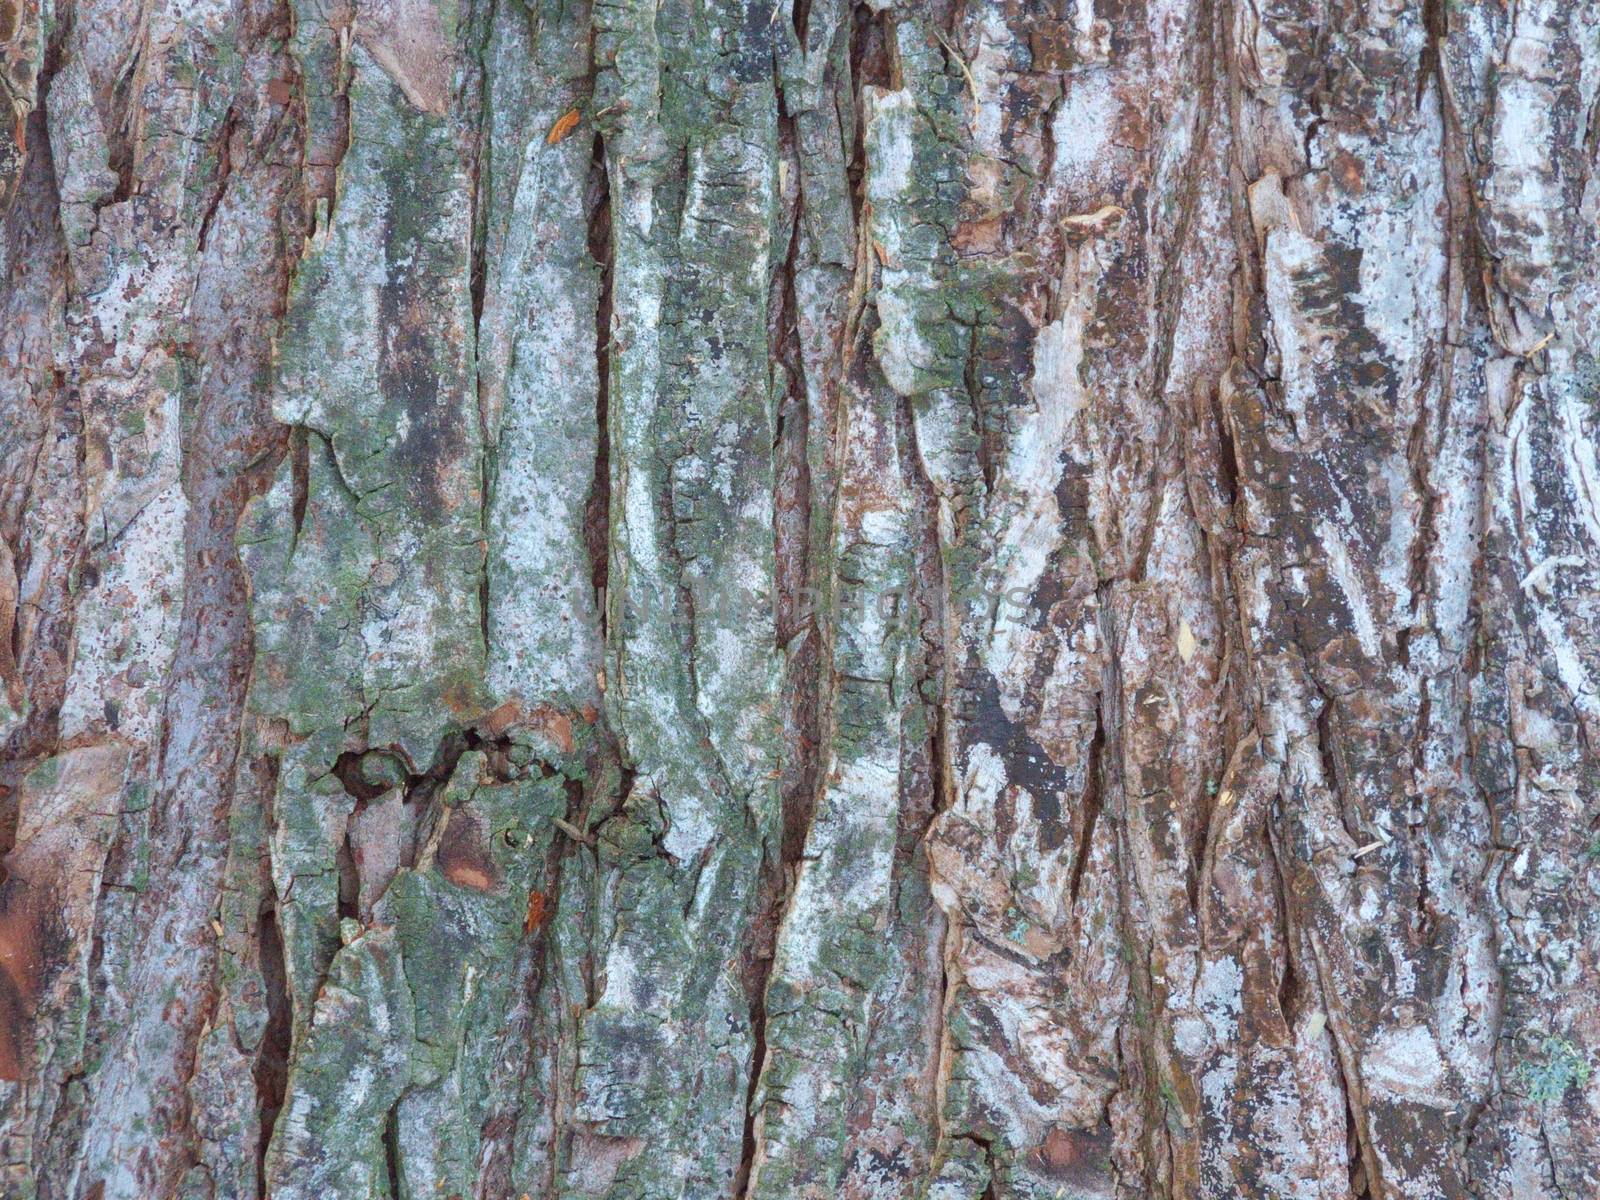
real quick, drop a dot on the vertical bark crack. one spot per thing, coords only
(597, 513)
(271, 1068)
(1092, 800)
(391, 1150)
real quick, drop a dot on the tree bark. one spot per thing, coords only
(693, 598)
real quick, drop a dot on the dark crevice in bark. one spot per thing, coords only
(941, 777)
(8, 841)
(792, 515)
(120, 110)
(924, 783)
(936, 689)
(1421, 445)
(1361, 1186)
(1289, 985)
(477, 281)
(1416, 818)
(1227, 452)
(349, 769)
(349, 876)
(932, 586)
(483, 17)
(1295, 989)
(271, 1068)
(368, 775)
(422, 786)
(1436, 21)
(758, 1057)
(870, 66)
(1327, 745)
(483, 597)
(798, 636)
(391, 1149)
(796, 622)
(1092, 801)
(299, 477)
(224, 170)
(800, 17)
(580, 800)
(597, 512)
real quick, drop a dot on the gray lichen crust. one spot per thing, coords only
(719, 599)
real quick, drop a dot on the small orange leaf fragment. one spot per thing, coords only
(562, 127)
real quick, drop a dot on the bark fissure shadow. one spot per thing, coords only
(597, 511)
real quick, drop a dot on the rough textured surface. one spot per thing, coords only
(631, 599)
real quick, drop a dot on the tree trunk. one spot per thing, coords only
(718, 598)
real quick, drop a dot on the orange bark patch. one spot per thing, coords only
(1066, 1153)
(22, 959)
(501, 719)
(550, 721)
(559, 726)
(463, 858)
(536, 911)
(469, 875)
(460, 700)
(979, 237)
(1348, 171)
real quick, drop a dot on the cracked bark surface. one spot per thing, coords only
(829, 599)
